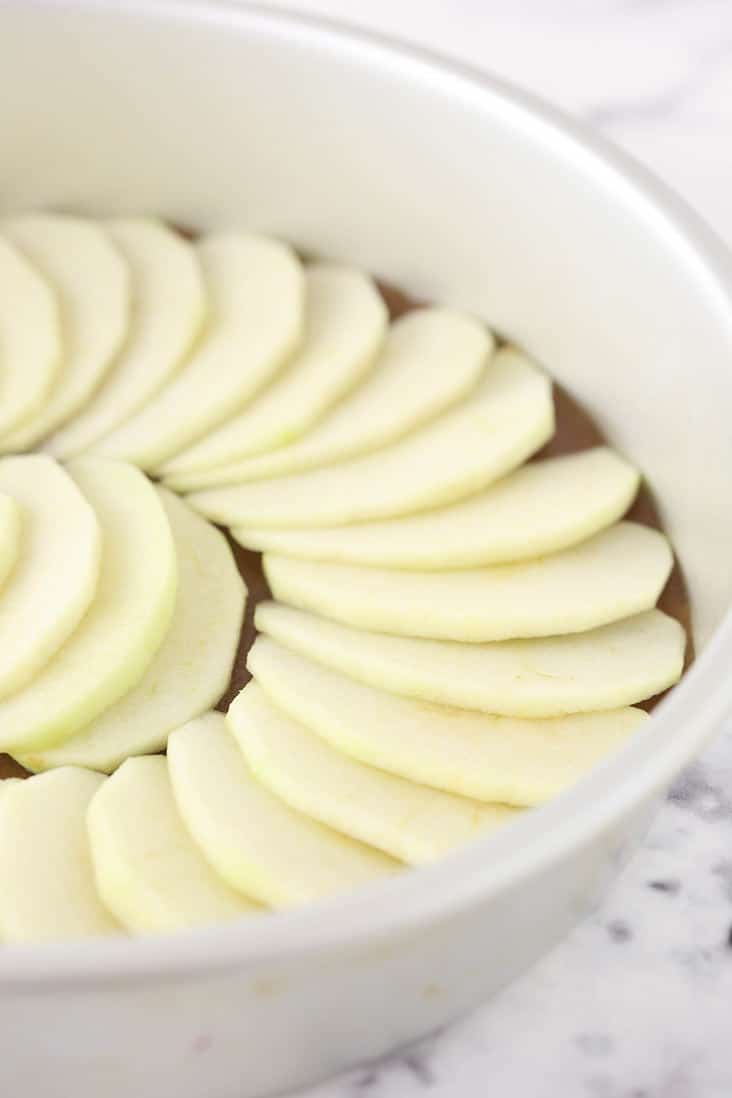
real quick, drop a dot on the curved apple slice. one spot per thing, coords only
(490, 758)
(168, 309)
(495, 429)
(619, 572)
(55, 578)
(430, 360)
(606, 668)
(255, 288)
(252, 839)
(408, 821)
(10, 529)
(191, 669)
(30, 339)
(113, 645)
(345, 320)
(150, 873)
(49, 891)
(541, 508)
(92, 282)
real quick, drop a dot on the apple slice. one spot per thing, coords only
(408, 821)
(495, 429)
(541, 508)
(606, 668)
(431, 359)
(496, 759)
(55, 578)
(49, 891)
(30, 339)
(150, 873)
(250, 837)
(168, 309)
(93, 286)
(10, 531)
(255, 288)
(192, 667)
(345, 319)
(112, 647)
(619, 572)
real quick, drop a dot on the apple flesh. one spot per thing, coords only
(10, 533)
(168, 310)
(430, 360)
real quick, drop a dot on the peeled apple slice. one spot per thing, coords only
(613, 575)
(112, 647)
(606, 668)
(92, 282)
(30, 339)
(149, 871)
(49, 891)
(496, 428)
(168, 308)
(408, 821)
(541, 508)
(345, 320)
(501, 759)
(55, 577)
(254, 841)
(10, 532)
(192, 667)
(255, 288)
(430, 360)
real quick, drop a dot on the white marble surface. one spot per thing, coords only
(637, 1003)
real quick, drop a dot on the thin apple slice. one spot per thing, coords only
(192, 667)
(408, 821)
(495, 759)
(113, 645)
(150, 873)
(55, 578)
(345, 320)
(92, 282)
(541, 508)
(255, 288)
(495, 429)
(253, 840)
(606, 668)
(30, 339)
(430, 360)
(168, 309)
(619, 572)
(49, 891)
(10, 531)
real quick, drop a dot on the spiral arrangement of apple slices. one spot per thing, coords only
(459, 633)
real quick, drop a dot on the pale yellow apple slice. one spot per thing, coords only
(192, 667)
(496, 428)
(408, 821)
(253, 840)
(606, 668)
(430, 360)
(619, 572)
(112, 647)
(496, 759)
(150, 873)
(92, 282)
(49, 891)
(30, 339)
(10, 533)
(168, 309)
(345, 320)
(541, 508)
(55, 578)
(255, 289)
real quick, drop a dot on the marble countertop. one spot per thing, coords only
(637, 1003)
